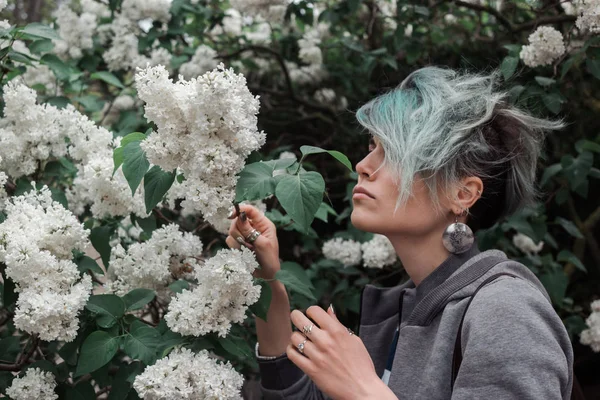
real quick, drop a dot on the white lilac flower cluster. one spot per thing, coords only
(328, 97)
(224, 292)
(32, 134)
(375, 253)
(36, 384)
(77, 31)
(168, 255)
(156, 10)
(588, 15)
(108, 194)
(3, 4)
(346, 251)
(310, 53)
(185, 375)
(3, 180)
(231, 24)
(206, 128)
(378, 252)
(36, 243)
(202, 61)
(591, 336)
(272, 11)
(122, 54)
(545, 46)
(526, 244)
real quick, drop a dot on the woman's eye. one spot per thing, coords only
(372, 144)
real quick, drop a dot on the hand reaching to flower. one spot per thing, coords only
(266, 246)
(335, 360)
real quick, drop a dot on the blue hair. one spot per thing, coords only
(441, 126)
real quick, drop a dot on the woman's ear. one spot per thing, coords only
(468, 192)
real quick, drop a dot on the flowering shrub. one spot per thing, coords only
(130, 127)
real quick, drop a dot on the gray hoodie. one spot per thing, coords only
(514, 345)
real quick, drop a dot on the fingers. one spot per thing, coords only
(300, 320)
(323, 318)
(300, 360)
(309, 347)
(331, 312)
(232, 243)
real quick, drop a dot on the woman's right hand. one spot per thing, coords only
(266, 246)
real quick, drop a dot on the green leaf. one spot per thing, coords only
(300, 196)
(291, 281)
(570, 227)
(549, 172)
(85, 263)
(10, 347)
(156, 184)
(41, 46)
(82, 391)
(135, 164)
(68, 352)
(593, 67)
(141, 342)
(566, 255)
(62, 70)
(261, 307)
(118, 152)
(108, 308)
(9, 295)
(38, 30)
(567, 65)
(256, 180)
(108, 78)
(543, 81)
(179, 285)
(324, 210)
(553, 101)
(298, 271)
(513, 49)
(509, 66)
(306, 150)
(100, 237)
(236, 346)
(555, 283)
(168, 341)
(138, 298)
(20, 57)
(587, 145)
(97, 350)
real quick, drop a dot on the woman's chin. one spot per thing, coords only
(360, 220)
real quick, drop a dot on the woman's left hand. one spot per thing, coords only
(337, 362)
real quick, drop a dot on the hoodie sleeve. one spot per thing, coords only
(282, 379)
(514, 346)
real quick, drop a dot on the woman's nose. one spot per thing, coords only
(361, 168)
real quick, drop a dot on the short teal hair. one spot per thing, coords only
(443, 125)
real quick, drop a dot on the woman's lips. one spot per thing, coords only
(360, 195)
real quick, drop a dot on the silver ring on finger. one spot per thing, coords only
(307, 329)
(252, 236)
(301, 346)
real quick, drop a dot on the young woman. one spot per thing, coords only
(449, 155)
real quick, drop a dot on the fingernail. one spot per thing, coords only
(243, 216)
(240, 239)
(231, 213)
(331, 307)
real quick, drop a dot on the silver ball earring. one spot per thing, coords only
(458, 237)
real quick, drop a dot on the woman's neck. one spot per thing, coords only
(420, 256)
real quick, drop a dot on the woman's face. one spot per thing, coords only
(376, 214)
